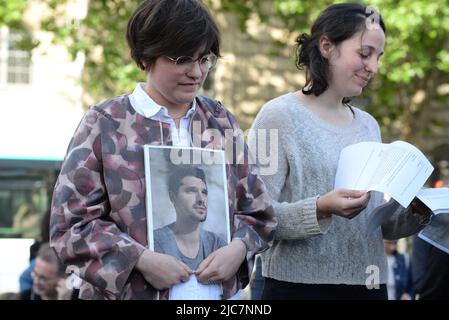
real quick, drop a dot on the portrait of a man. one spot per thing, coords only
(185, 238)
(187, 203)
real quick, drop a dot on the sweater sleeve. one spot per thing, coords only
(402, 223)
(297, 219)
(81, 231)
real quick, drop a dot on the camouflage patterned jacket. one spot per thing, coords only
(98, 220)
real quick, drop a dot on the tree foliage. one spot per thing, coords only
(11, 15)
(109, 69)
(11, 12)
(415, 64)
(414, 67)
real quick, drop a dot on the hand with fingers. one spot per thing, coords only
(64, 292)
(161, 270)
(222, 264)
(342, 202)
(421, 211)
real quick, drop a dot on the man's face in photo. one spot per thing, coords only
(191, 199)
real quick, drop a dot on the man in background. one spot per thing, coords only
(49, 278)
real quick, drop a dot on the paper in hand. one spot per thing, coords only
(194, 290)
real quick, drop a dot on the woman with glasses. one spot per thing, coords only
(98, 224)
(321, 248)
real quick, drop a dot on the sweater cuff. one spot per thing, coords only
(312, 224)
(299, 220)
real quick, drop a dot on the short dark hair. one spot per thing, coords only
(48, 254)
(338, 22)
(179, 172)
(171, 28)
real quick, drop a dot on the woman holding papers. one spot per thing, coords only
(321, 248)
(99, 222)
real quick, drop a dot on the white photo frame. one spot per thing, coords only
(159, 160)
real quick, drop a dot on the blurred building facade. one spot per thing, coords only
(40, 107)
(41, 104)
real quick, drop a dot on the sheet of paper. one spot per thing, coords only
(237, 295)
(437, 199)
(398, 169)
(193, 290)
(437, 232)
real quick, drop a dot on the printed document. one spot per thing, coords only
(437, 232)
(397, 169)
(436, 199)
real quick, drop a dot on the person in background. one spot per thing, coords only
(25, 280)
(49, 278)
(430, 271)
(399, 283)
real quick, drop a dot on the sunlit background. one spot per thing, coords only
(57, 58)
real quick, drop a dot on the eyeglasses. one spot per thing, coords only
(40, 278)
(207, 62)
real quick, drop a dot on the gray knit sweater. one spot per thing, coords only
(333, 250)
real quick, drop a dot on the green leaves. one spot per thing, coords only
(11, 12)
(109, 69)
(416, 54)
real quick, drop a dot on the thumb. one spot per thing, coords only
(204, 264)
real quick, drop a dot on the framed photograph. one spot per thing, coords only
(187, 206)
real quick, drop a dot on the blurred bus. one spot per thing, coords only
(25, 194)
(32, 148)
(40, 108)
